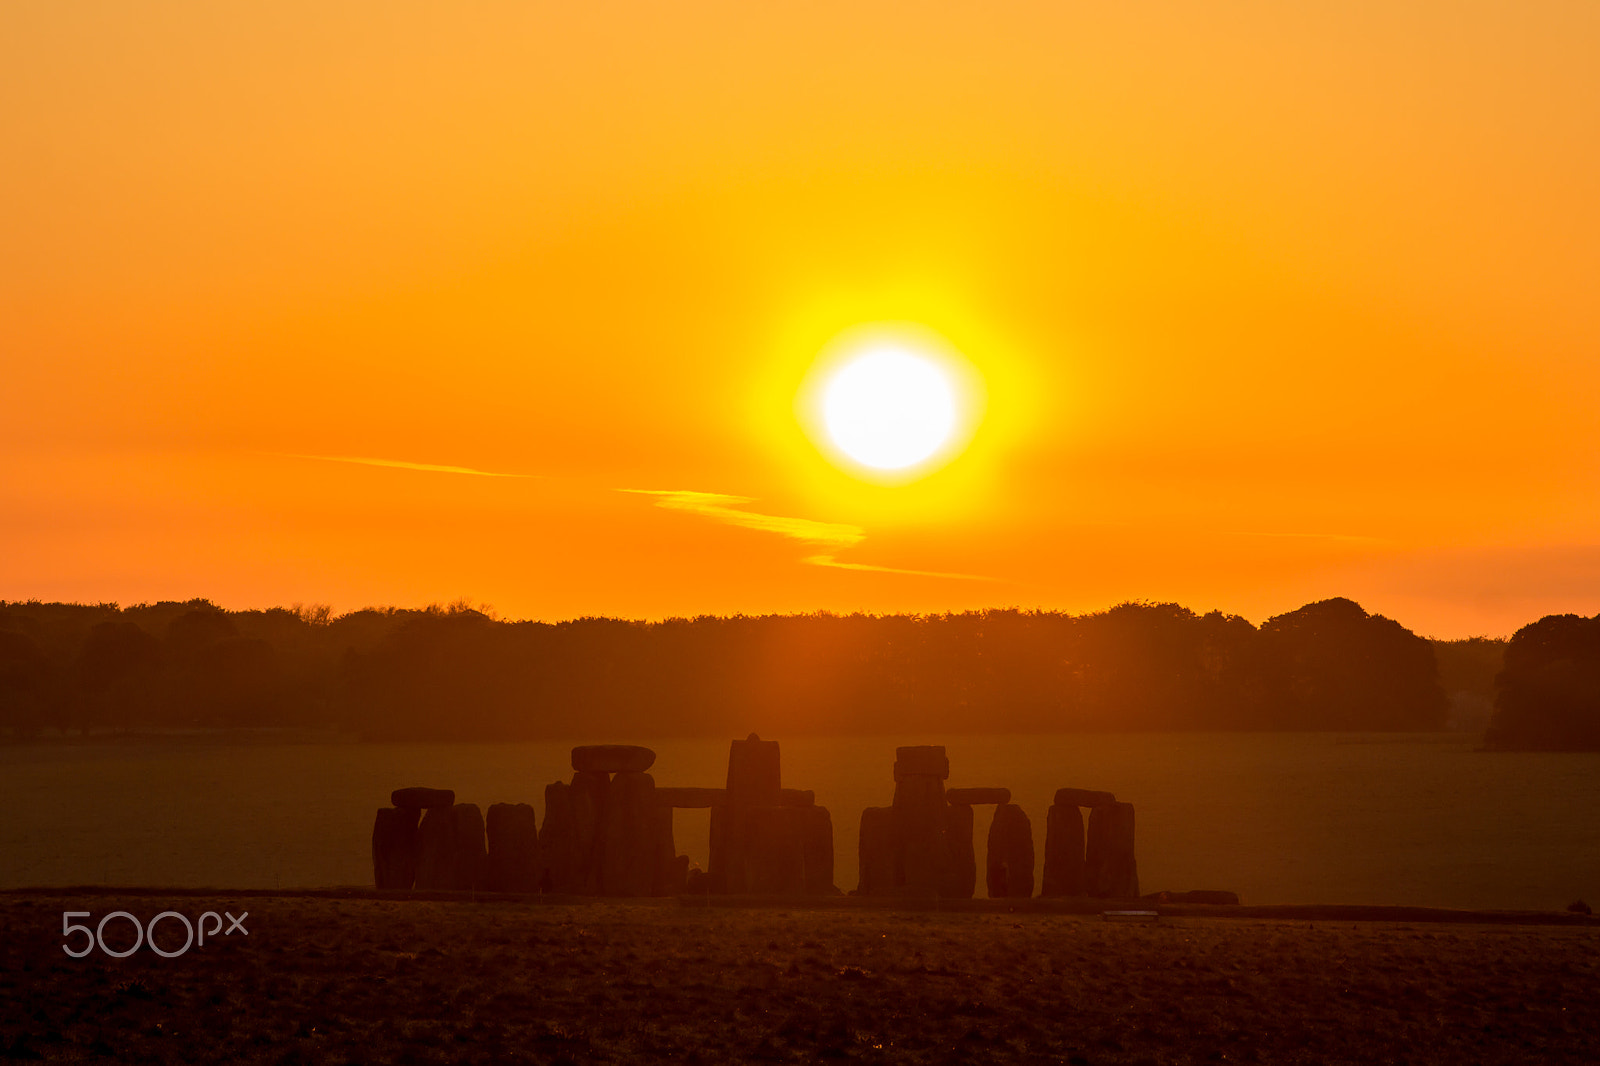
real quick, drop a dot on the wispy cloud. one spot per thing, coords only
(398, 464)
(1342, 537)
(834, 536)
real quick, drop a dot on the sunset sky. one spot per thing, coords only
(395, 303)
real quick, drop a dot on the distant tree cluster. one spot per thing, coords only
(1548, 694)
(456, 673)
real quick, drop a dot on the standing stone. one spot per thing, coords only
(754, 773)
(922, 760)
(961, 874)
(1009, 862)
(1112, 871)
(513, 848)
(881, 857)
(667, 874)
(627, 852)
(797, 797)
(422, 798)
(719, 864)
(590, 797)
(558, 842)
(774, 850)
(1063, 852)
(472, 856)
(920, 807)
(395, 847)
(436, 849)
(612, 758)
(817, 848)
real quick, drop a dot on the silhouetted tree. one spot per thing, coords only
(1336, 667)
(1548, 695)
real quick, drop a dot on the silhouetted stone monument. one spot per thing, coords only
(558, 842)
(395, 847)
(436, 860)
(612, 758)
(1063, 852)
(628, 855)
(921, 845)
(961, 876)
(471, 854)
(1010, 859)
(766, 839)
(513, 831)
(422, 798)
(919, 805)
(1110, 866)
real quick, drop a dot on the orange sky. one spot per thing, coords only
(1273, 302)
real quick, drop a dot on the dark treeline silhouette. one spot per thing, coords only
(1548, 694)
(456, 673)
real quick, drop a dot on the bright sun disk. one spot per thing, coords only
(889, 408)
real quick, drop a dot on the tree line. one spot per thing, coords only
(458, 673)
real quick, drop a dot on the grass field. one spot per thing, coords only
(351, 980)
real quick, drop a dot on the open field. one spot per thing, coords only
(1421, 820)
(353, 980)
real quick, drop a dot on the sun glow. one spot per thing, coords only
(891, 404)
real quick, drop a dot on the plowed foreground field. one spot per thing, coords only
(428, 981)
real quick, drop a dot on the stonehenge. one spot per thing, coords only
(1008, 871)
(921, 845)
(767, 839)
(395, 847)
(513, 832)
(608, 831)
(1099, 863)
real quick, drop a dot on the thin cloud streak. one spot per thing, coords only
(835, 536)
(398, 464)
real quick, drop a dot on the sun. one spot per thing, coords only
(890, 403)
(889, 408)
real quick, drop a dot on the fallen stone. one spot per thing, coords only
(977, 795)
(928, 759)
(817, 849)
(436, 849)
(513, 832)
(612, 758)
(1063, 852)
(696, 882)
(881, 858)
(1009, 863)
(796, 797)
(1111, 870)
(395, 847)
(754, 774)
(961, 872)
(422, 798)
(691, 797)
(1209, 896)
(558, 842)
(1083, 797)
(471, 853)
(675, 877)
